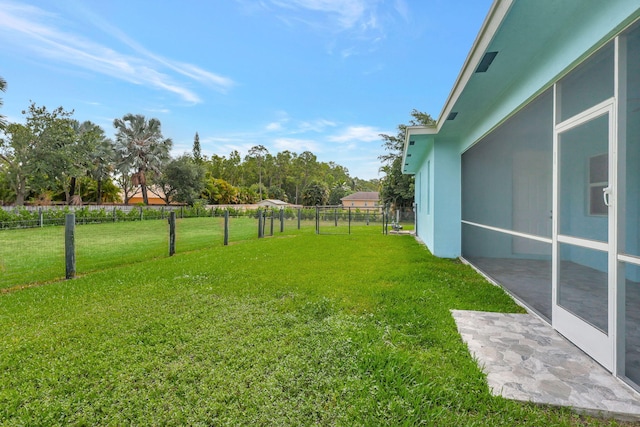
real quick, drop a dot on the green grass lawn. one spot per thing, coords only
(36, 255)
(296, 329)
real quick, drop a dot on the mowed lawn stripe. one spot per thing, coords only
(297, 329)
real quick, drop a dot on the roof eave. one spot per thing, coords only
(413, 132)
(490, 26)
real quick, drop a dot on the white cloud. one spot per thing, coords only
(357, 133)
(333, 16)
(223, 145)
(294, 127)
(274, 126)
(180, 149)
(296, 145)
(347, 13)
(402, 9)
(37, 31)
(318, 125)
(351, 27)
(158, 110)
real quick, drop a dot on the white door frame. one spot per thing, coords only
(599, 345)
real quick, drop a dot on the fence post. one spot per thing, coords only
(141, 216)
(299, 216)
(40, 217)
(172, 233)
(226, 227)
(70, 245)
(281, 220)
(259, 224)
(349, 219)
(386, 221)
(317, 220)
(271, 222)
(115, 216)
(181, 211)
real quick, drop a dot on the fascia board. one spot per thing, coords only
(490, 26)
(412, 131)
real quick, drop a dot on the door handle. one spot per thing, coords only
(606, 195)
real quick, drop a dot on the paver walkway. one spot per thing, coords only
(526, 359)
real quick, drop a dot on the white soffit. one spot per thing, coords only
(498, 11)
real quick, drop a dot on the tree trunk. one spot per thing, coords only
(145, 197)
(20, 199)
(99, 191)
(21, 190)
(72, 190)
(142, 180)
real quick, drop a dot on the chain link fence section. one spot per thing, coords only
(341, 220)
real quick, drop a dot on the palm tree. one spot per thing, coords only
(141, 147)
(102, 159)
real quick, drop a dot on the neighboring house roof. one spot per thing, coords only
(363, 195)
(152, 195)
(272, 202)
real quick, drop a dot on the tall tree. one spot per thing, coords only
(101, 161)
(140, 147)
(337, 192)
(258, 153)
(55, 152)
(232, 168)
(181, 180)
(305, 166)
(15, 157)
(3, 88)
(397, 189)
(197, 152)
(219, 191)
(316, 193)
(92, 155)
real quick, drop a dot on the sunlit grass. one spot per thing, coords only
(297, 329)
(35, 255)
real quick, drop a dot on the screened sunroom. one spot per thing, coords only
(532, 173)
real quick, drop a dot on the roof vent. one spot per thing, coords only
(452, 115)
(486, 61)
(412, 142)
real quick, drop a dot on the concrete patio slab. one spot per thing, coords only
(526, 359)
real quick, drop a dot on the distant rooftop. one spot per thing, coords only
(363, 195)
(273, 202)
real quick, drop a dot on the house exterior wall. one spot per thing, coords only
(597, 27)
(518, 204)
(424, 199)
(441, 230)
(360, 204)
(447, 201)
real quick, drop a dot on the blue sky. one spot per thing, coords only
(326, 76)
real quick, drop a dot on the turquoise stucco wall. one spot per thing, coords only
(424, 197)
(588, 35)
(447, 201)
(439, 180)
(441, 230)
